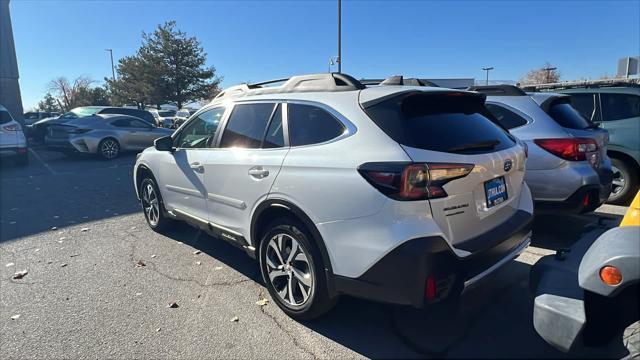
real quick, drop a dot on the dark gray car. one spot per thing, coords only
(102, 134)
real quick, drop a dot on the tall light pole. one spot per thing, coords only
(113, 71)
(549, 69)
(339, 59)
(487, 69)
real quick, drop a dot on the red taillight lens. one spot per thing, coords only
(402, 181)
(430, 288)
(12, 127)
(574, 149)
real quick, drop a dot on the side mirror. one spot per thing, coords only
(164, 143)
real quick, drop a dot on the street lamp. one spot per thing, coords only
(549, 69)
(339, 58)
(113, 71)
(487, 69)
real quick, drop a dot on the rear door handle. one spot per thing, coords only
(197, 166)
(258, 172)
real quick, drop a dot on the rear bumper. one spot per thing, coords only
(586, 198)
(13, 150)
(400, 277)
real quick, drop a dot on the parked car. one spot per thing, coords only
(398, 194)
(568, 168)
(12, 140)
(617, 109)
(39, 129)
(166, 118)
(106, 135)
(33, 116)
(589, 294)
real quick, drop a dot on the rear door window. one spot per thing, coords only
(507, 118)
(568, 117)
(246, 126)
(274, 138)
(450, 122)
(619, 106)
(312, 125)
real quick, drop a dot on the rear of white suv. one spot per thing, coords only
(12, 140)
(398, 194)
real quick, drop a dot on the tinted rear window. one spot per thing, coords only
(312, 125)
(5, 117)
(568, 117)
(440, 122)
(506, 117)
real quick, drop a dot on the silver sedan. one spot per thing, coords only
(102, 134)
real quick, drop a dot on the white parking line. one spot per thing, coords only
(53, 172)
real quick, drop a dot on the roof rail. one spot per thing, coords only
(498, 90)
(398, 80)
(325, 82)
(633, 82)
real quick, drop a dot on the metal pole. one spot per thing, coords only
(339, 36)
(113, 71)
(487, 69)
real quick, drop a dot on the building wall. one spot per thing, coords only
(9, 87)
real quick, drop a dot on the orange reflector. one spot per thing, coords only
(610, 275)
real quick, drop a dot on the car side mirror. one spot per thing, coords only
(164, 143)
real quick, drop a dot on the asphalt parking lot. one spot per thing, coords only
(99, 284)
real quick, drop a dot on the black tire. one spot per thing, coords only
(156, 217)
(318, 300)
(23, 159)
(108, 149)
(622, 195)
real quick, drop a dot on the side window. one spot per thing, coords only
(121, 123)
(135, 123)
(586, 105)
(274, 138)
(312, 125)
(199, 132)
(619, 106)
(507, 118)
(246, 125)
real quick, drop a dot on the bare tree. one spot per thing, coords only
(70, 94)
(544, 75)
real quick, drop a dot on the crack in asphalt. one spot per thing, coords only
(284, 329)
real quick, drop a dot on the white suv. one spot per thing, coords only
(12, 140)
(400, 194)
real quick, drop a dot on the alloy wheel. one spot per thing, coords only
(109, 149)
(150, 204)
(289, 270)
(619, 181)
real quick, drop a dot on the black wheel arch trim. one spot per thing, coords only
(304, 218)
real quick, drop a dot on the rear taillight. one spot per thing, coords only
(574, 149)
(403, 181)
(12, 127)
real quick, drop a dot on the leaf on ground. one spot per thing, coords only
(63, 238)
(140, 263)
(54, 228)
(84, 229)
(198, 262)
(138, 293)
(9, 264)
(20, 274)
(158, 330)
(153, 256)
(234, 319)
(15, 317)
(262, 302)
(173, 305)
(217, 268)
(196, 252)
(63, 264)
(74, 255)
(36, 250)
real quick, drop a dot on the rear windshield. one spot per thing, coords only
(568, 117)
(5, 117)
(452, 122)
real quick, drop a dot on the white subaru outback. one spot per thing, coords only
(401, 194)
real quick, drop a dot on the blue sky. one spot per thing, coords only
(252, 41)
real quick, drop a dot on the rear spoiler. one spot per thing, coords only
(409, 92)
(498, 90)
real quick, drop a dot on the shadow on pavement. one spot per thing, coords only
(491, 320)
(64, 192)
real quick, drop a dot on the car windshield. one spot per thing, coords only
(80, 112)
(31, 115)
